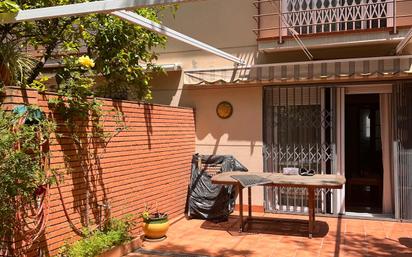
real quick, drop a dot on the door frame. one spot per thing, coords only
(339, 195)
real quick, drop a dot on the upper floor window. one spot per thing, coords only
(317, 16)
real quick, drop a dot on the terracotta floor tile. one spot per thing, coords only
(145, 255)
(329, 251)
(283, 253)
(303, 253)
(274, 237)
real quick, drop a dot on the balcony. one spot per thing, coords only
(340, 21)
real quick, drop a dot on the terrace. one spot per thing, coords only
(102, 162)
(284, 235)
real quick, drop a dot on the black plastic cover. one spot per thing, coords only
(210, 201)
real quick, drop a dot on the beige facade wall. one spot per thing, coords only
(240, 135)
(270, 24)
(404, 13)
(226, 25)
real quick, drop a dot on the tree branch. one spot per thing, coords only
(6, 31)
(49, 50)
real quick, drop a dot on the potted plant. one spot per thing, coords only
(113, 239)
(8, 9)
(155, 224)
(15, 65)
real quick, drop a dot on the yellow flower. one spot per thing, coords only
(146, 214)
(86, 62)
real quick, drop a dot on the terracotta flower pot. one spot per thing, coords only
(5, 75)
(156, 227)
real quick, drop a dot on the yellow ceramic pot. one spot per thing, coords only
(155, 228)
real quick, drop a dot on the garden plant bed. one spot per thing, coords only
(121, 250)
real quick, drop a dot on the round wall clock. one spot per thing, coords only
(224, 110)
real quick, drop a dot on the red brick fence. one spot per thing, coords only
(148, 162)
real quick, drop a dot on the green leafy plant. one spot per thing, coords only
(148, 215)
(124, 54)
(15, 65)
(119, 52)
(116, 232)
(75, 105)
(7, 6)
(80, 116)
(39, 84)
(75, 84)
(21, 170)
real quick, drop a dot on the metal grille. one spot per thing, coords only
(316, 16)
(299, 132)
(403, 150)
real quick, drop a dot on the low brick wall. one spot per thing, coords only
(148, 162)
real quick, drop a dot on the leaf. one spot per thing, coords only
(8, 6)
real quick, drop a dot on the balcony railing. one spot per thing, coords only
(278, 18)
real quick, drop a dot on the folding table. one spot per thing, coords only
(278, 179)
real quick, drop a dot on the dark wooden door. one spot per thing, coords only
(363, 154)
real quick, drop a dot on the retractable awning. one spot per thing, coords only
(118, 8)
(80, 9)
(374, 68)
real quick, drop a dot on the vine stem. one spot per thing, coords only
(75, 229)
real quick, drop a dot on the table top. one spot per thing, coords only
(279, 179)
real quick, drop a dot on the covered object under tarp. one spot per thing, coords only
(206, 200)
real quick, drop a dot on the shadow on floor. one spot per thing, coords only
(174, 250)
(283, 237)
(272, 226)
(406, 241)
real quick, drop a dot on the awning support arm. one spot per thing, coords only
(404, 42)
(118, 8)
(295, 34)
(81, 9)
(156, 27)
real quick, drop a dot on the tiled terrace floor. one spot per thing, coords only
(341, 237)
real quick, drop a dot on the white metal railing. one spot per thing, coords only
(316, 16)
(319, 16)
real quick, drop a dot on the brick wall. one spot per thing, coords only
(148, 162)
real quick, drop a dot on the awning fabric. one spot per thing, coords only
(311, 71)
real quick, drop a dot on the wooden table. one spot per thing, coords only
(277, 179)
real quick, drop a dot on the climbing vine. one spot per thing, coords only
(23, 179)
(76, 119)
(81, 126)
(90, 47)
(124, 53)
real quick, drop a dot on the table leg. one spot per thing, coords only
(249, 202)
(311, 195)
(240, 190)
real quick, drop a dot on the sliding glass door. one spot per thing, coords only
(299, 131)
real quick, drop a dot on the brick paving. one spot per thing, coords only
(284, 235)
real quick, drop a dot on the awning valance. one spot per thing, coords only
(310, 71)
